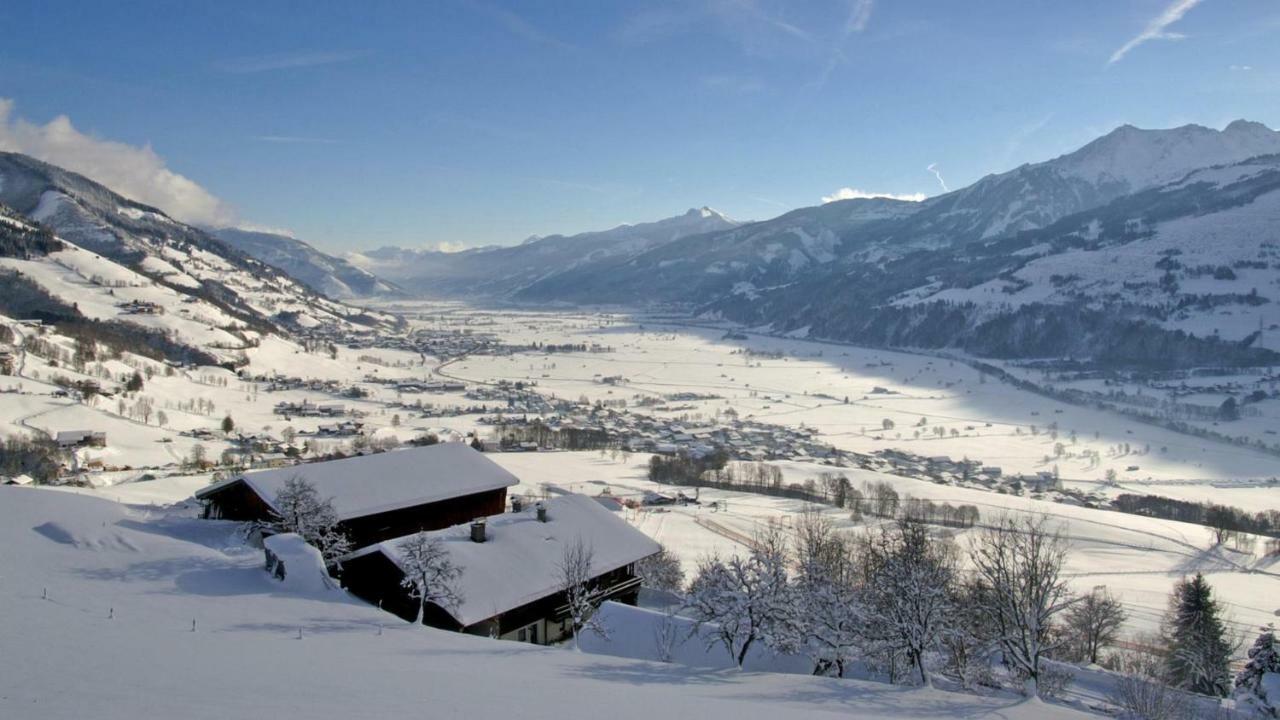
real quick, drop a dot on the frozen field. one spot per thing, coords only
(794, 382)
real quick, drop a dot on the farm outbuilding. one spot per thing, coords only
(379, 496)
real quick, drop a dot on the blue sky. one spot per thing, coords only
(470, 122)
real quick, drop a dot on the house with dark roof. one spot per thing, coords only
(379, 496)
(511, 585)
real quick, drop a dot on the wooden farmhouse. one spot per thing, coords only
(511, 583)
(380, 496)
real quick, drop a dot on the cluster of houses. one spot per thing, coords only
(430, 386)
(639, 432)
(517, 397)
(306, 408)
(943, 469)
(510, 551)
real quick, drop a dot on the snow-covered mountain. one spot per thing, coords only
(502, 271)
(323, 273)
(1183, 274)
(111, 253)
(1050, 258)
(735, 260)
(742, 261)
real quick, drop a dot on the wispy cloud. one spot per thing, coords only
(846, 193)
(855, 22)
(294, 140)
(1156, 29)
(286, 61)
(1240, 68)
(933, 168)
(756, 29)
(517, 25)
(135, 172)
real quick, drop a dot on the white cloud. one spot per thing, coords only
(448, 247)
(1240, 68)
(859, 16)
(135, 172)
(846, 193)
(1155, 30)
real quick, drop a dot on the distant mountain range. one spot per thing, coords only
(502, 272)
(1089, 255)
(1144, 247)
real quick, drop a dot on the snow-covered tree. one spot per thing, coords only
(661, 571)
(1019, 563)
(575, 568)
(299, 509)
(746, 599)
(430, 575)
(1093, 624)
(1258, 684)
(827, 622)
(908, 592)
(1198, 653)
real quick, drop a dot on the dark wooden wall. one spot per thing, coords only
(237, 501)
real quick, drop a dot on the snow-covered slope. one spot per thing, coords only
(145, 241)
(123, 613)
(325, 274)
(501, 271)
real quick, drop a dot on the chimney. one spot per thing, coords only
(477, 530)
(542, 512)
(517, 503)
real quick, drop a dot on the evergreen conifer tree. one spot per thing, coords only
(1198, 649)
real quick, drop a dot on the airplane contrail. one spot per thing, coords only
(933, 168)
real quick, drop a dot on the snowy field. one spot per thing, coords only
(797, 382)
(119, 613)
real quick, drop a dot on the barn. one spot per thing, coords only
(379, 496)
(510, 583)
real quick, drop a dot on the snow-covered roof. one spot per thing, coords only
(371, 484)
(22, 479)
(519, 560)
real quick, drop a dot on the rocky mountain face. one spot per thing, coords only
(328, 275)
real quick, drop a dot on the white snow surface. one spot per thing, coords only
(369, 484)
(304, 570)
(116, 625)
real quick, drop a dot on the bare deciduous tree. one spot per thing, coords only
(430, 575)
(1093, 624)
(1019, 562)
(908, 593)
(299, 509)
(575, 580)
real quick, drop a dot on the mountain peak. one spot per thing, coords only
(707, 212)
(1137, 158)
